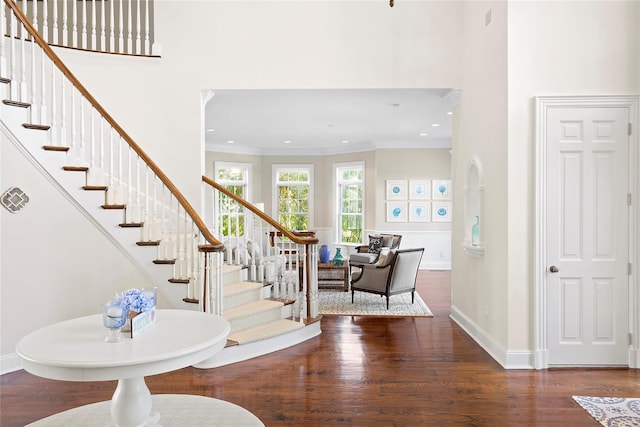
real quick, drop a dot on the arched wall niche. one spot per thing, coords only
(473, 243)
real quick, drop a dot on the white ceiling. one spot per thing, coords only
(317, 121)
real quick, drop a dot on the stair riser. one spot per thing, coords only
(249, 321)
(241, 299)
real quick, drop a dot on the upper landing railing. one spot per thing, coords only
(113, 26)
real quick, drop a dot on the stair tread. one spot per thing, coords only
(264, 331)
(251, 309)
(240, 287)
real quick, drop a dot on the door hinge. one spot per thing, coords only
(629, 269)
(630, 338)
(629, 129)
(628, 199)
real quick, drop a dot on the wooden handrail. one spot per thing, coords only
(302, 237)
(214, 244)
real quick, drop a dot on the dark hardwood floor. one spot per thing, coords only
(362, 371)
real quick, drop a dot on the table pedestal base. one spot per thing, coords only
(177, 410)
(131, 403)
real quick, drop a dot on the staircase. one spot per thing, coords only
(61, 130)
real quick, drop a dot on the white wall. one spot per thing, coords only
(265, 44)
(556, 48)
(552, 48)
(479, 285)
(54, 264)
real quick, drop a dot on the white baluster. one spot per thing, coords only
(112, 28)
(33, 111)
(92, 144)
(138, 24)
(54, 102)
(3, 31)
(129, 185)
(43, 87)
(84, 34)
(94, 25)
(129, 25)
(147, 42)
(103, 34)
(45, 21)
(120, 28)
(112, 185)
(34, 19)
(23, 60)
(138, 201)
(55, 26)
(145, 218)
(74, 24)
(63, 114)
(14, 77)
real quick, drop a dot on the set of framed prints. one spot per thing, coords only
(418, 200)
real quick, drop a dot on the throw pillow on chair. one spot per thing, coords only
(375, 244)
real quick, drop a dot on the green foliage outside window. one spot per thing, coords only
(231, 212)
(293, 206)
(351, 208)
(293, 187)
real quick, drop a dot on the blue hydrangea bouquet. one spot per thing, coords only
(141, 304)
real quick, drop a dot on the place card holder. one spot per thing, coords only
(142, 321)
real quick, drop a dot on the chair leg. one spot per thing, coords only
(352, 294)
(412, 292)
(387, 302)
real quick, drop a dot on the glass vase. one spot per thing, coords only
(475, 232)
(338, 260)
(114, 316)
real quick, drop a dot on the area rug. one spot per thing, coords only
(365, 304)
(612, 411)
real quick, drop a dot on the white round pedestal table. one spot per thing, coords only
(74, 350)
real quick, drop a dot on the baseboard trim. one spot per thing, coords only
(508, 359)
(10, 363)
(250, 350)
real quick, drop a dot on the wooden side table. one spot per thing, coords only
(332, 276)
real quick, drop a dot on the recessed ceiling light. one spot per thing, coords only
(344, 141)
(423, 134)
(230, 142)
(435, 125)
(449, 113)
(211, 130)
(287, 142)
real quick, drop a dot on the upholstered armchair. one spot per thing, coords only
(369, 254)
(393, 274)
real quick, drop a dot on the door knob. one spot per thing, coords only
(553, 269)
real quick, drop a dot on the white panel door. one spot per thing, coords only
(587, 236)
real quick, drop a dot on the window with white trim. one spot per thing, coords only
(349, 179)
(293, 196)
(235, 178)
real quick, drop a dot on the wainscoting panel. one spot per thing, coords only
(436, 244)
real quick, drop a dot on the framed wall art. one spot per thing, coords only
(396, 211)
(441, 190)
(441, 211)
(419, 189)
(419, 211)
(396, 189)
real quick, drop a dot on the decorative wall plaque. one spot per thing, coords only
(14, 199)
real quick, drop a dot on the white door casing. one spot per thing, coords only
(584, 230)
